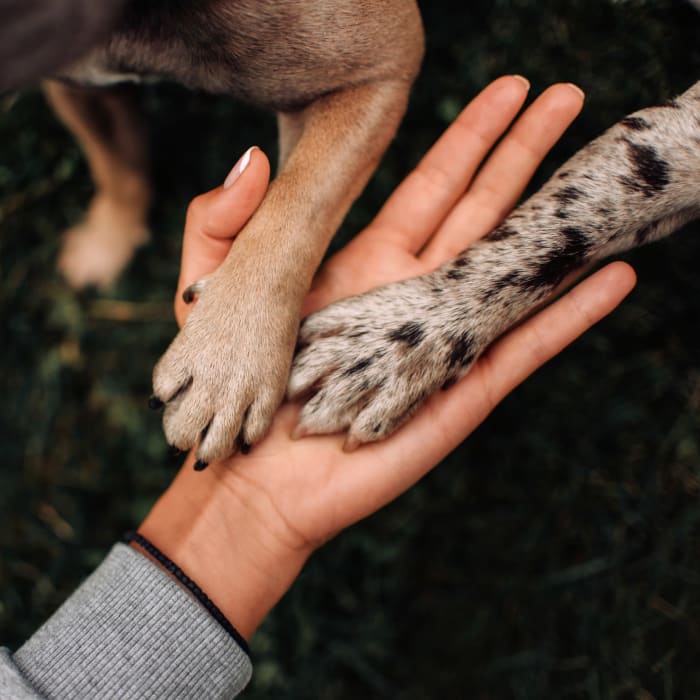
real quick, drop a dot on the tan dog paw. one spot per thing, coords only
(224, 374)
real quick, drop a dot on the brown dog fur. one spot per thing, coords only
(338, 74)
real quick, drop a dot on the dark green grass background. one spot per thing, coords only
(554, 555)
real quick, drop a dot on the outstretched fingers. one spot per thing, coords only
(421, 202)
(501, 181)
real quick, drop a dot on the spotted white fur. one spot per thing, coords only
(368, 362)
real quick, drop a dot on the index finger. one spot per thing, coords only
(424, 198)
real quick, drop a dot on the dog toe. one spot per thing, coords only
(220, 439)
(258, 418)
(388, 411)
(311, 367)
(186, 418)
(171, 379)
(321, 416)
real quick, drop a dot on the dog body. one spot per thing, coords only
(338, 74)
(636, 183)
(279, 56)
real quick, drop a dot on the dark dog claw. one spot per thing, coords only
(200, 465)
(242, 445)
(154, 403)
(174, 451)
(189, 294)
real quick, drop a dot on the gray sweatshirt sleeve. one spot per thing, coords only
(130, 631)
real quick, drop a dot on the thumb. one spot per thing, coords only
(215, 218)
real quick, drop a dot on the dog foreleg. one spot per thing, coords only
(225, 373)
(636, 183)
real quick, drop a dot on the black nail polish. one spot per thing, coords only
(200, 465)
(154, 403)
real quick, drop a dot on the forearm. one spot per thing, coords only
(223, 534)
(133, 630)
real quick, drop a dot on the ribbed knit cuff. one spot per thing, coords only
(131, 631)
(12, 683)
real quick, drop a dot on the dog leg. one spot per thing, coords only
(225, 373)
(109, 129)
(636, 183)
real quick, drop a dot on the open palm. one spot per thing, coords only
(296, 494)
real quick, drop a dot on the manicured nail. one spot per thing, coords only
(523, 80)
(200, 465)
(578, 89)
(154, 403)
(238, 168)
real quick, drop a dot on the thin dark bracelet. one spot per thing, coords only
(188, 583)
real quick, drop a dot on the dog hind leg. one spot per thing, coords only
(111, 133)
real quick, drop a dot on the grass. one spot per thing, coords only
(553, 555)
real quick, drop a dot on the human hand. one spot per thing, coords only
(244, 528)
(215, 218)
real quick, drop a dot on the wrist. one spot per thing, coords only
(223, 533)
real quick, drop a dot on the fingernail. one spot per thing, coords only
(238, 168)
(578, 89)
(523, 80)
(154, 403)
(200, 465)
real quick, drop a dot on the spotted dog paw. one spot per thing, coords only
(224, 374)
(368, 362)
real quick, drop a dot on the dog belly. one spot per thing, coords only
(94, 73)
